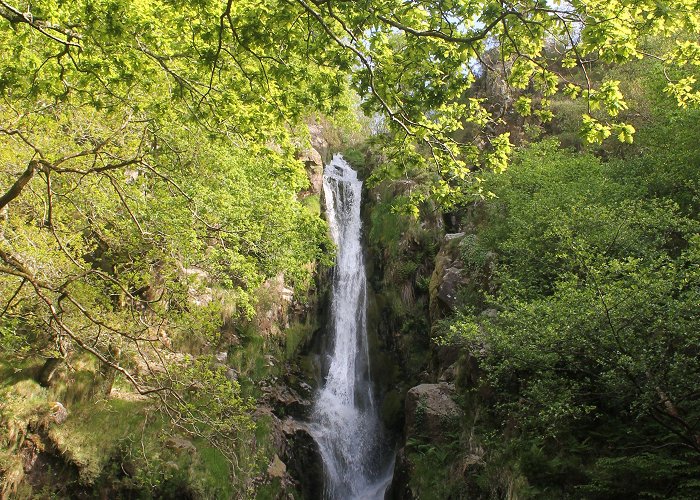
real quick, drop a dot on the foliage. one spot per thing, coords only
(149, 187)
(419, 64)
(149, 180)
(592, 359)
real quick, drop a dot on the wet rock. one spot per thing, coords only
(287, 402)
(431, 411)
(399, 489)
(303, 458)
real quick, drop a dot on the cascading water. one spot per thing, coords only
(345, 422)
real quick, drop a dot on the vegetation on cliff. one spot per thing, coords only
(574, 313)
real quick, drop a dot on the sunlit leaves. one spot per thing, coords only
(685, 91)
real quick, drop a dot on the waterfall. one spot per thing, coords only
(345, 420)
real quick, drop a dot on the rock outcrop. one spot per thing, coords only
(303, 458)
(431, 411)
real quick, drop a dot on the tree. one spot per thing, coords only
(418, 62)
(591, 362)
(148, 184)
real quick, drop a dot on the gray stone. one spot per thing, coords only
(232, 375)
(431, 411)
(277, 468)
(180, 445)
(451, 281)
(489, 313)
(449, 374)
(453, 236)
(59, 414)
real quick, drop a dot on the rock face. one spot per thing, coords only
(431, 415)
(277, 468)
(462, 273)
(303, 458)
(431, 411)
(447, 278)
(448, 287)
(317, 134)
(314, 169)
(287, 402)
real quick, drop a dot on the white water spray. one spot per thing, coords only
(345, 422)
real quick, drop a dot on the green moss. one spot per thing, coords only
(295, 337)
(270, 491)
(210, 474)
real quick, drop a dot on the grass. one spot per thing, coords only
(94, 433)
(104, 439)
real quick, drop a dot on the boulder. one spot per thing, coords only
(277, 468)
(180, 445)
(431, 411)
(303, 458)
(59, 414)
(448, 288)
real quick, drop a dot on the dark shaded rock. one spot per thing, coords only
(431, 411)
(447, 290)
(449, 374)
(303, 458)
(285, 401)
(399, 489)
(446, 281)
(48, 370)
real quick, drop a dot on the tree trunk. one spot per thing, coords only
(48, 371)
